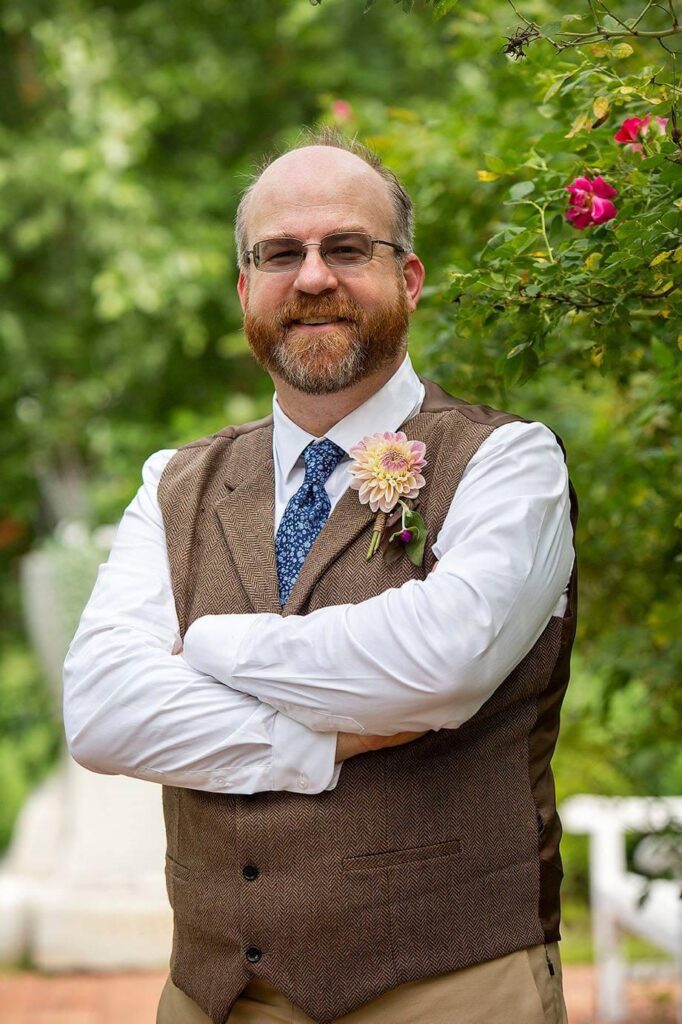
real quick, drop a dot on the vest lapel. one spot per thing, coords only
(247, 515)
(347, 520)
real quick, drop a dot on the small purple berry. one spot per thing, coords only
(406, 536)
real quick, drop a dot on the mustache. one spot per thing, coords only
(330, 307)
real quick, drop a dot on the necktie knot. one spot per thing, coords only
(321, 459)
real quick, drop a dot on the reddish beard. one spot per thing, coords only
(331, 360)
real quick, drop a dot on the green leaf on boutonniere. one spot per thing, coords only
(412, 521)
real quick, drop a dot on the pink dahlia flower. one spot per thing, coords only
(590, 202)
(634, 129)
(387, 467)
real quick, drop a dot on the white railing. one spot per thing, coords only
(622, 900)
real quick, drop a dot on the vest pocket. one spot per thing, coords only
(176, 869)
(394, 858)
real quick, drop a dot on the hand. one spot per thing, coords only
(348, 744)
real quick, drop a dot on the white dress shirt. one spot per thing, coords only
(255, 701)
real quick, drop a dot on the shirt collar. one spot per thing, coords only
(396, 401)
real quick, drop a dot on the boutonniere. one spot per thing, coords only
(386, 472)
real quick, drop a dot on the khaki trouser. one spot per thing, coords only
(515, 989)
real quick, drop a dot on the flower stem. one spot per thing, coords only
(541, 211)
(379, 524)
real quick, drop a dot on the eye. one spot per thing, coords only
(279, 251)
(347, 248)
(281, 255)
(345, 251)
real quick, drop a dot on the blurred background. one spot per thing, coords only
(128, 131)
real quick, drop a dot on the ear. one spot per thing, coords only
(413, 272)
(243, 289)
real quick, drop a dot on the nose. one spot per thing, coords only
(314, 276)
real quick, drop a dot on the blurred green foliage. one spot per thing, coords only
(127, 132)
(28, 739)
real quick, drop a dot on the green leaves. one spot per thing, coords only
(412, 521)
(521, 189)
(440, 7)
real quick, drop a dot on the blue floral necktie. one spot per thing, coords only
(305, 514)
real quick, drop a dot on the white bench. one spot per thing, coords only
(616, 894)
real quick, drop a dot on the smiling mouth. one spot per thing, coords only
(318, 321)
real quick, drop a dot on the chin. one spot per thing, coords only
(315, 380)
(321, 365)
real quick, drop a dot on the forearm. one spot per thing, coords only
(131, 709)
(368, 667)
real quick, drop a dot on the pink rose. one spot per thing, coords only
(634, 129)
(590, 202)
(342, 110)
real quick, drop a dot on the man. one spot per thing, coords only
(354, 752)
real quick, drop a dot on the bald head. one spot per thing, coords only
(330, 174)
(313, 174)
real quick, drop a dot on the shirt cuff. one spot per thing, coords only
(302, 761)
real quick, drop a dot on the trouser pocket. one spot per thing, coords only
(545, 965)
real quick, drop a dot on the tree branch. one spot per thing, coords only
(563, 40)
(605, 33)
(647, 8)
(612, 15)
(595, 16)
(595, 303)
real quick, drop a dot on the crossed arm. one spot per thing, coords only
(423, 656)
(428, 654)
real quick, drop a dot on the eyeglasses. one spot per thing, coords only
(345, 249)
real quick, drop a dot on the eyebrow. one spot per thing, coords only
(337, 231)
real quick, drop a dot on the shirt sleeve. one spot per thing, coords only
(428, 654)
(133, 708)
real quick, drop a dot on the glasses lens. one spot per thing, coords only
(277, 254)
(346, 250)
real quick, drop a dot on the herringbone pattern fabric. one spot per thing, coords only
(306, 513)
(482, 994)
(426, 858)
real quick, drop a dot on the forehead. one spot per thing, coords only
(312, 191)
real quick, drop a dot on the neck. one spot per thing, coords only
(318, 413)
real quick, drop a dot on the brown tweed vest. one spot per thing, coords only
(425, 858)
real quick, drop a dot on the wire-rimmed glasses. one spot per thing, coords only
(338, 250)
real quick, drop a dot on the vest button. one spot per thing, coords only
(250, 872)
(253, 954)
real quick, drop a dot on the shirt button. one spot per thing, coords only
(253, 954)
(303, 781)
(250, 872)
(219, 781)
